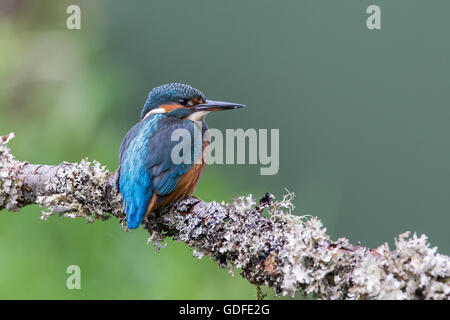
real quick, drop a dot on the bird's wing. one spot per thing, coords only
(146, 167)
(133, 178)
(123, 148)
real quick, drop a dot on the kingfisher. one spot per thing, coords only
(147, 176)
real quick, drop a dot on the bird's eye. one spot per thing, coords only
(183, 102)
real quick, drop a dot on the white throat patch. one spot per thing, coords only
(196, 116)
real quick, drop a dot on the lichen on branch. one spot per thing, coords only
(263, 239)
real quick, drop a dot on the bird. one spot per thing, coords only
(147, 177)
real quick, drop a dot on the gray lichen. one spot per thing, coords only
(283, 251)
(10, 185)
(71, 189)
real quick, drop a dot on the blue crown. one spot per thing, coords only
(170, 93)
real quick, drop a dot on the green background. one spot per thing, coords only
(363, 118)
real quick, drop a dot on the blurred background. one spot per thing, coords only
(363, 118)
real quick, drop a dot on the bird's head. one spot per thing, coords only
(182, 101)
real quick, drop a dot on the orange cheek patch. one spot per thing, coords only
(171, 107)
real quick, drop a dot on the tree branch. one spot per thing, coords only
(273, 248)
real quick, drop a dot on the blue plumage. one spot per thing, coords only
(135, 181)
(147, 177)
(146, 166)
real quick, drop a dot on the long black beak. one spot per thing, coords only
(212, 105)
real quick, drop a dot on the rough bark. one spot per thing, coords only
(265, 240)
